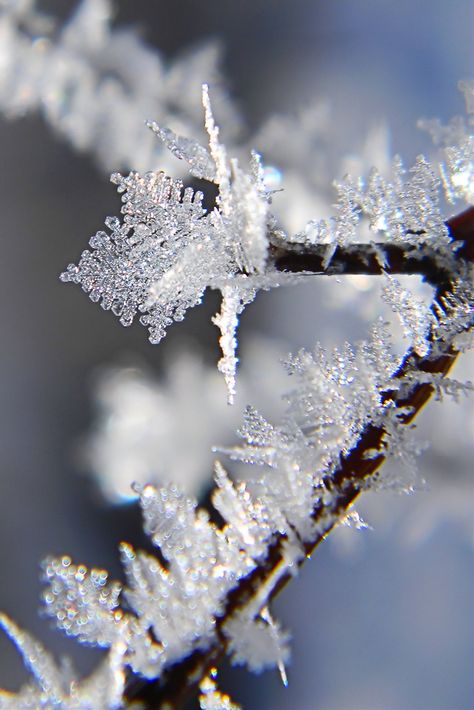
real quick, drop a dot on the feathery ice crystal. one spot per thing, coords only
(58, 685)
(169, 610)
(168, 249)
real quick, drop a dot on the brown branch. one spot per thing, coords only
(373, 259)
(355, 470)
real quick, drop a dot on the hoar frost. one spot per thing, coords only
(168, 249)
(157, 261)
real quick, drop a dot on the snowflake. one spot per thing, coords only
(167, 250)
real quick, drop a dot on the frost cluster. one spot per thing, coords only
(57, 685)
(211, 698)
(95, 85)
(174, 604)
(168, 249)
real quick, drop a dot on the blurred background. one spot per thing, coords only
(381, 619)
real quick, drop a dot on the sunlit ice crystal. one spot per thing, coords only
(163, 254)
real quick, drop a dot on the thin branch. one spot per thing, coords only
(356, 470)
(373, 259)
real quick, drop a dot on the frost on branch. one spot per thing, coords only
(169, 609)
(417, 318)
(167, 250)
(57, 685)
(405, 208)
(178, 604)
(174, 607)
(334, 396)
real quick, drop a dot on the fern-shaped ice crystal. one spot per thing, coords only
(160, 258)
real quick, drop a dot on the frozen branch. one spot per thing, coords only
(357, 470)
(374, 259)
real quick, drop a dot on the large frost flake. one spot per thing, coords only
(160, 258)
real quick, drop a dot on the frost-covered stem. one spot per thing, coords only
(355, 472)
(372, 259)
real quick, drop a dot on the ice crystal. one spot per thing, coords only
(174, 607)
(211, 698)
(96, 84)
(417, 318)
(258, 643)
(56, 686)
(404, 208)
(167, 250)
(91, 612)
(335, 396)
(449, 387)
(354, 520)
(454, 315)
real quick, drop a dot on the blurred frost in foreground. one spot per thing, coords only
(96, 84)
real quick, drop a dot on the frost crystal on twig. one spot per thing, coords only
(169, 609)
(207, 590)
(334, 396)
(167, 250)
(174, 607)
(402, 209)
(417, 318)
